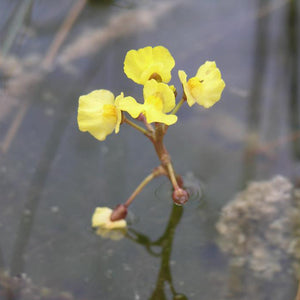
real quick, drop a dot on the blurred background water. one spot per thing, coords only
(53, 175)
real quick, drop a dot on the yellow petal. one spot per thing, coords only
(101, 218)
(208, 70)
(173, 88)
(119, 119)
(90, 113)
(159, 99)
(153, 102)
(212, 84)
(182, 76)
(189, 97)
(153, 115)
(140, 64)
(129, 105)
(206, 87)
(154, 89)
(97, 114)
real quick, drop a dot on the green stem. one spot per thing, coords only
(176, 108)
(134, 125)
(156, 172)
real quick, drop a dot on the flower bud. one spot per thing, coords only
(180, 196)
(119, 213)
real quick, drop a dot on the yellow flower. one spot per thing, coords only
(159, 99)
(206, 87)
(98, 114)
(105, 227)
(101, 218)
(147, 63)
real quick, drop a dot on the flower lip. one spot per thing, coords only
(154, 90)
(159, 99)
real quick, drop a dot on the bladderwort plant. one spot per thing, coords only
(100, 113)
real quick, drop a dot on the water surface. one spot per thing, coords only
(53, 175)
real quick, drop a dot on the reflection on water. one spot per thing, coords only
(283, 89)
(52, 176)
(255, 103)
(292, 33)
(162, 247)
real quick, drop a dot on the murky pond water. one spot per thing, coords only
(53, 175)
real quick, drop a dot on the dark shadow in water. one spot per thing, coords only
(237, 276)
(256, 90)
(238, 288)
(36, 188)
(293, 64)
(119, 3)
(101, 2)
(20, 15)
(292, 32)
(164, 244)
(64, 112)
(1, 259)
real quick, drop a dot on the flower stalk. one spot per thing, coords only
(156, 172)
(179, 104)
(166, 167)
(136, 126)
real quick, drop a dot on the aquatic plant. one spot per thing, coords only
(100, 113)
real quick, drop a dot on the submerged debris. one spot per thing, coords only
(260, 228)
(21, 287)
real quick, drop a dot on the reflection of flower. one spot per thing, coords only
(146, 63)
(206, 87)
(159, 99)
(98, 114)
(105, 227)
(113, 234)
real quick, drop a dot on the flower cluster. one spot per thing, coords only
(100, 112)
